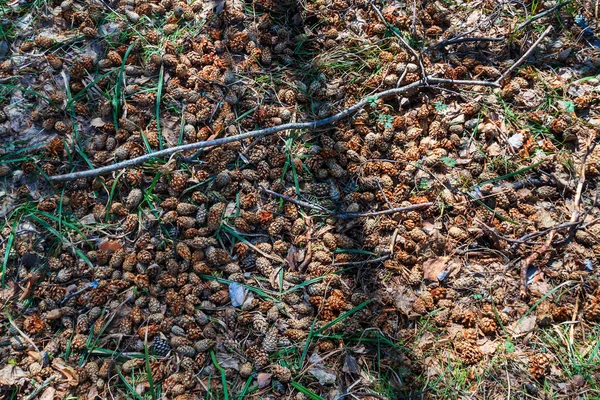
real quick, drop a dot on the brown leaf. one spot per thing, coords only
(97, 122)
(432, 268)
(263, 379)
(12, 375)
(404, 298)
(110, 246)
(48, 394)
(488, 346)
(524, 325)
(68, 371)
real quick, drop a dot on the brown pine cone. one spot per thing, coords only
(44, 42)
(539, 365)
(468, 352)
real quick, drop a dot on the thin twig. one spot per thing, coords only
(404, 42)
(265, 132)
(590, 145)
(524, 56)
(346, 215)
(541, 15)
(502, 237)
(532, 257)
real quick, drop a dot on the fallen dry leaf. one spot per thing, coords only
(48, 394)
(110, 246)
(12, 375)
(524, 325)
(434, 267)
(263, 379)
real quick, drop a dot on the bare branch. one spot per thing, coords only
(263, 132)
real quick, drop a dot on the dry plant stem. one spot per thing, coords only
(267, 131)
(590, 145)
(346, 215)
(524, 56)
(23, 335)
(541, 15)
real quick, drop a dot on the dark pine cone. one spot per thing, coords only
(160, 347)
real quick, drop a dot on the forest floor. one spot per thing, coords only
(439, 239)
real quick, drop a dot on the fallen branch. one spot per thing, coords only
(346, 215)
(523, 239)
(524, 56)
(267, 131)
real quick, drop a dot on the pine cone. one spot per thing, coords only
(214, 216)
(44, 42)
(186, 209)
(264, 266)
(282, 373)
(270, 340)
(468, 352)
(114, 58)
(160, 347)
(186, 351)
(202, 346)
(487, 325)
(539, 365)
(258, 356)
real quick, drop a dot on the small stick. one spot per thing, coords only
(574, 220)
(524, 56)
(524, 238)
(541, 15)
(532, 257)
(373, 261)
(404, 42)
(449, 42)
(346, 215)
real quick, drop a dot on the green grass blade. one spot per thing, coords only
(306, 391)
(130, 388)
(223, 376)
(31, 92)
(116, 101)
(9, 243)
(158, 98)
(514, 173)
(344, 315)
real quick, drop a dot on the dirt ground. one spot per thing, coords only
(435, 234)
